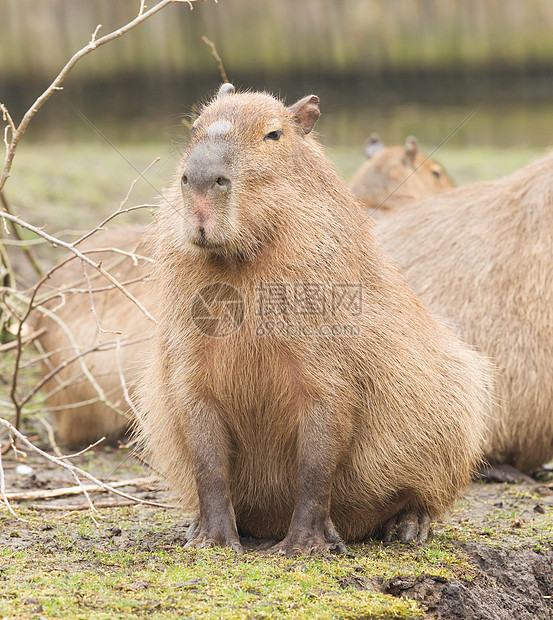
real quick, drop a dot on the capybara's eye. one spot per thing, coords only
(437, 173)
(273, 135)
(222, 182)
(184, 180)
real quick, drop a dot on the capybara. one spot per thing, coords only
(270, 404)
(81, 415)
(394, 176)
(481, 256)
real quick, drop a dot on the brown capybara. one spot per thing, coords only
(394, 176)
(84, 415)
(481, 256)
(271, 405)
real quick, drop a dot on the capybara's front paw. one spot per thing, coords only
(199, 537)
(407, 526)
(300, 541)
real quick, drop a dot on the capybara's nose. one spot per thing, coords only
(206, 169)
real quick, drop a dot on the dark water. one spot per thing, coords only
(496, 111)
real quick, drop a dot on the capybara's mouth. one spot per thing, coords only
(203, 242)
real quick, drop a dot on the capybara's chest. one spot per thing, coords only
(256, 385)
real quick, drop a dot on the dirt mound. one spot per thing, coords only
(513, 583)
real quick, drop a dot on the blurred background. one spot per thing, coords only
(470, 78)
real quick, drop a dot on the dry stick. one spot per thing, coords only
(59, 454)
(98, 289)
(10, 427)
(217, 58)
(122, 379)
(100, 329)
(101, 395)
(31, 256)
(17, 132)
(77, 490)
(101, 346)
(4, 260)
(3, 491)
(69, 508)
(26, 340)
(63, 292)
(79, 254)
(120, 210)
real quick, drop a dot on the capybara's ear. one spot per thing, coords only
(372, 145)
(306, 112)
(226, 89)
(411, 149)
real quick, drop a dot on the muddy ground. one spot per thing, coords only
(498, 539)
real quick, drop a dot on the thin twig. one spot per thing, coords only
(29, 338)
(31, 256)
(80, 472)
(94, 43)
(3, 491)
(122, 379)
(59, 454)
(69, 508)
(119, 211)
(76, 490)
(218, 59)
(79, 254)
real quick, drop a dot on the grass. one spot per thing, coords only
(135, 565)
(85, 573)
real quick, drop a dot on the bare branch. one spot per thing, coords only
(79, 254)
(71, 467)
(218, 59)
(31, 256)
(93, 44)
(3, 491)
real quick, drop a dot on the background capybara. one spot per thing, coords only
(482, 257)
(394, 176)
(81, 416)
(274, 428)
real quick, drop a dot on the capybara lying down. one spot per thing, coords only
(481, 256)
(297, 388)
(84, 413)
(394, 176)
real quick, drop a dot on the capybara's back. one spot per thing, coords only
(86, 394)
(482, 257)
(297, 389)
(395, 176)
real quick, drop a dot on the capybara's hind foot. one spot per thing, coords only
(502, 473)
(200, 538)
(407, 526)
(308, 542)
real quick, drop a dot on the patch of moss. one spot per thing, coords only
(145, 571)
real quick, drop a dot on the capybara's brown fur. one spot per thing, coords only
(481, 256)
(294, 426)
(394, 176)
(81, 417)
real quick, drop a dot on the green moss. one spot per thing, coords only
(144, 572)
